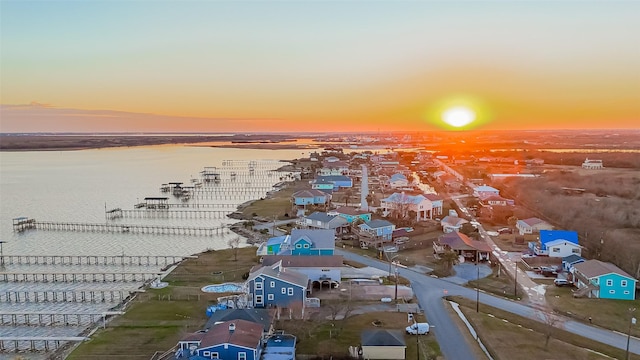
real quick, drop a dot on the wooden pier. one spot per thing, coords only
(35, 343)
(74, 277)
(73, 295)
(168, 214)
(53, 318)
(128, 228)
(139, 260)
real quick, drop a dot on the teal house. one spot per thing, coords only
(597, 279)
(305, 242)
(352, 214)
(310, 197)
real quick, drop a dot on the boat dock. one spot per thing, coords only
(140, 260)
(124, 228)
(36, 343)
(53, 318)
(73, 295)
(167, 214)
(77, 276)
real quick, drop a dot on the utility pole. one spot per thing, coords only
(515, 285)
(631, 321)
(396, 265)
(478, 289)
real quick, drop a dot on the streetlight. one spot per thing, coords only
(632, 321)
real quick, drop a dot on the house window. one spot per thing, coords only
(242, 356)
(555, 249)
(623, 283)
(258, 285)
(214, 355)
(206, 353)
(284, 291)
(298, 246)
(626, 292)
(609, 282)
(612, 291)
(325, 270)
(273, 284)
(258, 299)
(290, 291)
(270, 297)
(306, 246)
(575, 251)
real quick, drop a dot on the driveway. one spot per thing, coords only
(468, 272)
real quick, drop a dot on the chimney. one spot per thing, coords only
(232, 327)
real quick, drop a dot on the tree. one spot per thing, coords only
(551, 323)
(512, 221)
(234, 244)
(448, 259)
(348, 194)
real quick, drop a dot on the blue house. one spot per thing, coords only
(301, 242)
(557, 243)
(235, 339)
(339, 181)
(310, 197)
(569, 261)
(323, 185)
(271, 246)
(352, 214)
(603, 280)
(378, 228)
(276, 286)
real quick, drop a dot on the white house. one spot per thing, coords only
(557, 243)
(485, 191)
(592, 164)
(400, 204)
(452, 223)
(532, 225)
(398, 181)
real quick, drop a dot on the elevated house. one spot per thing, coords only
(352, 214)
(556, 243)
(334, 168)
(532, 226)
(276, 286)
(451, 223)
(461, 244)
(436, 204)
(339, 181)
(307, 242)
(383, 344)
(323, 220)
(568, 262)
(321, 270)
(603, 280)
(377, 230)
(323, 185)
(398, 181)
(401, 204)
(302, 198)
(235, 339)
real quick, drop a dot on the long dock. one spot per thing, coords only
(73, 295)
(126, 228)
(36, 343)
(168, 214)
(139, 260)
(53, 318)
(77, 276)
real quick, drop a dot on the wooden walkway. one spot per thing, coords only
(73, 295)
(53, 318)
(168, 214)
(36, 343)
(77, 276)
(139, 260)
(128, 228)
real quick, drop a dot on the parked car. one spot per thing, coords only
(505, 231)
(401, 240)
(562, 282)
(418, 329)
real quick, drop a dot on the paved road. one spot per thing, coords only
(430, 291)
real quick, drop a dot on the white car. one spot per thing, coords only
(418, 329)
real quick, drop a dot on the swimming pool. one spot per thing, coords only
(224, 288)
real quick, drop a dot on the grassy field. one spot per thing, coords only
(610, 314)
(332, 338)
(157, 319)
(278, 205)
(508, 336)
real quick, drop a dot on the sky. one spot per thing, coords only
(352, 66)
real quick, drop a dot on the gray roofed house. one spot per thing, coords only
(383, 344)
(303, 261)
(275, 271)
(259, 316)
(322, 220)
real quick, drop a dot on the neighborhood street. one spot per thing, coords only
(430, 291)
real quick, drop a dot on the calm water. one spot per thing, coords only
(76, 186)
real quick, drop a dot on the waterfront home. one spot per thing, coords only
(277, 286)
(334, 168)
(556, 243)
(235, 339)
(383, 344)
(321, 270)
(597, 279)
(452, 223)
(323, 220)
(352, 214)
(400, 204)
(379, 229)
(258, 316)
(461, 244)
(323, 185)
(310, 197)
(398, 181)
(568, 262)
(339, 181)
(532, 226)
(271, 246)
(485, 191)
(300, 242)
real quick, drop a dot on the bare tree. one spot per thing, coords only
(234, 244)
(551, 323)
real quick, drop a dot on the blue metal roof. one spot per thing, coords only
(552, 235)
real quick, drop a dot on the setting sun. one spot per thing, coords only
(458, 116)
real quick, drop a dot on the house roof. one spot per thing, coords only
(460, 241)
(320, 238)
(485, 188)
(493, 198)
(347, 210)
(433, 197)
(258, 316)
(193, 336)
(321, 216)
(572, 259)
(334, 164)
(308, 193)
(375, 224)
(246, 334)
(304, 261)
(276, 240)
(532, 221)
(382, 337)
(596, 268)
(290, 276)
(453, 220)
(547, 236)
(396, 177)
(333, 178)
(402, 198)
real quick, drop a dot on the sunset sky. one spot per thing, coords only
(244, 66)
